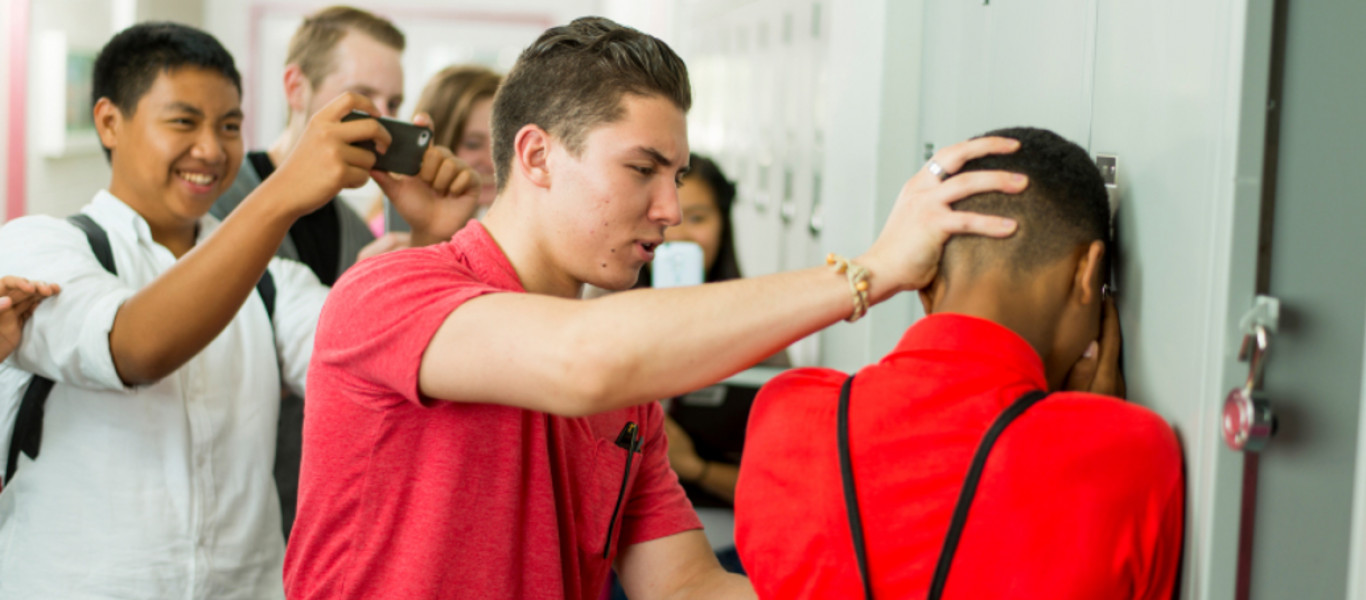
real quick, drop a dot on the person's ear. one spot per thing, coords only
(1086, 280)
(108, 121)
(531, 147)
(297, 89)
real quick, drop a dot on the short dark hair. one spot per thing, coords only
(1064, 206)
(133, 59)
(572, 78)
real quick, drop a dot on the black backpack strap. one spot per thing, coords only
(265, 287)
(850, 493)
(965, 496)
(27, 436)
(28, 424)
(99, 240)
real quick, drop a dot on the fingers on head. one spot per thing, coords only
(965, 223)
(954, 157)
(980, 182)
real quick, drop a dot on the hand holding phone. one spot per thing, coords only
(404, 155)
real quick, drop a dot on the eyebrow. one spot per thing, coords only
(235, 113)
(663, 161)
(368, 91)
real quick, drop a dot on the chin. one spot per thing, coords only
(617, 283)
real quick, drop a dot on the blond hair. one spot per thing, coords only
(450, 96)
(312, 44)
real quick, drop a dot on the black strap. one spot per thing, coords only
(27, 436)
(850, 493)
(965, 496)
(99, 240)
(265, 287)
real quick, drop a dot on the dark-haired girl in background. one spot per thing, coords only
(705, 200)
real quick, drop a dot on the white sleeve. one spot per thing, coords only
(299, 300)
(67, 338)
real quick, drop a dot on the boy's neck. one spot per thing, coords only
(512, 224)
(176, 236)
(1021, 308)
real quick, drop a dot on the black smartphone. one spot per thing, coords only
(405, 151)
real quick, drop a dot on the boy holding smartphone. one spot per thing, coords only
(154, 476)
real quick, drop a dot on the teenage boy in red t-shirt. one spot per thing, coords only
(474, 430)
(1080, 498)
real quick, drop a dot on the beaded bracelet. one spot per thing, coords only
(858, 282)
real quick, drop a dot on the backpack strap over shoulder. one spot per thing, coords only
(965, 496)
(27, 436)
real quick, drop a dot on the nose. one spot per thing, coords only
(208, 147)
(382, 103)
(664, 209)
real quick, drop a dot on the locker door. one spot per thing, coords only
(1302, 521)
(1007, 63)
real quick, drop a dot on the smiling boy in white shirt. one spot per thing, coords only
(154, 478)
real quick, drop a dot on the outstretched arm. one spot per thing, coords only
(574, 357)
(18, 298)
(172, 319)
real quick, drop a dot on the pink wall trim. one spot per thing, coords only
(16, 161)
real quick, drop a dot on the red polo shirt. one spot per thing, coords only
(1081, 498)
(405, 497)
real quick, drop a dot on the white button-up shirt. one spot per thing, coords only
(157, 491)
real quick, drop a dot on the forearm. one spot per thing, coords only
(718, 479)
(176, 316)
(652, 344)
(580, 357)
(716, 584)
(424, 236)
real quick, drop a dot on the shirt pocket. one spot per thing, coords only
(608, 491)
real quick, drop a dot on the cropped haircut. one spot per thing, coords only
(312, 43)
(132, 60)
(1065, 205)
(450, 96)
(572, 78)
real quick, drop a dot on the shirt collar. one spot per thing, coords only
(486, 257)
(116, 215)
(976, 339)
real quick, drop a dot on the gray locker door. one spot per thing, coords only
(1303, 515)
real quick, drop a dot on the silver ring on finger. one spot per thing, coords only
(937, 170)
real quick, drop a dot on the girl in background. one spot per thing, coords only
(459, 99)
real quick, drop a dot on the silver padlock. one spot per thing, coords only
(1249, 422)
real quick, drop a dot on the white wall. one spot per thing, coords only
(439, 32)
(61, 185)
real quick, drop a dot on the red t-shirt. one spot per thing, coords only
(1081, 498)
(403, 496)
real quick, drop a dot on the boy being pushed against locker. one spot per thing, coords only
(1081, 496)
(154, 477)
